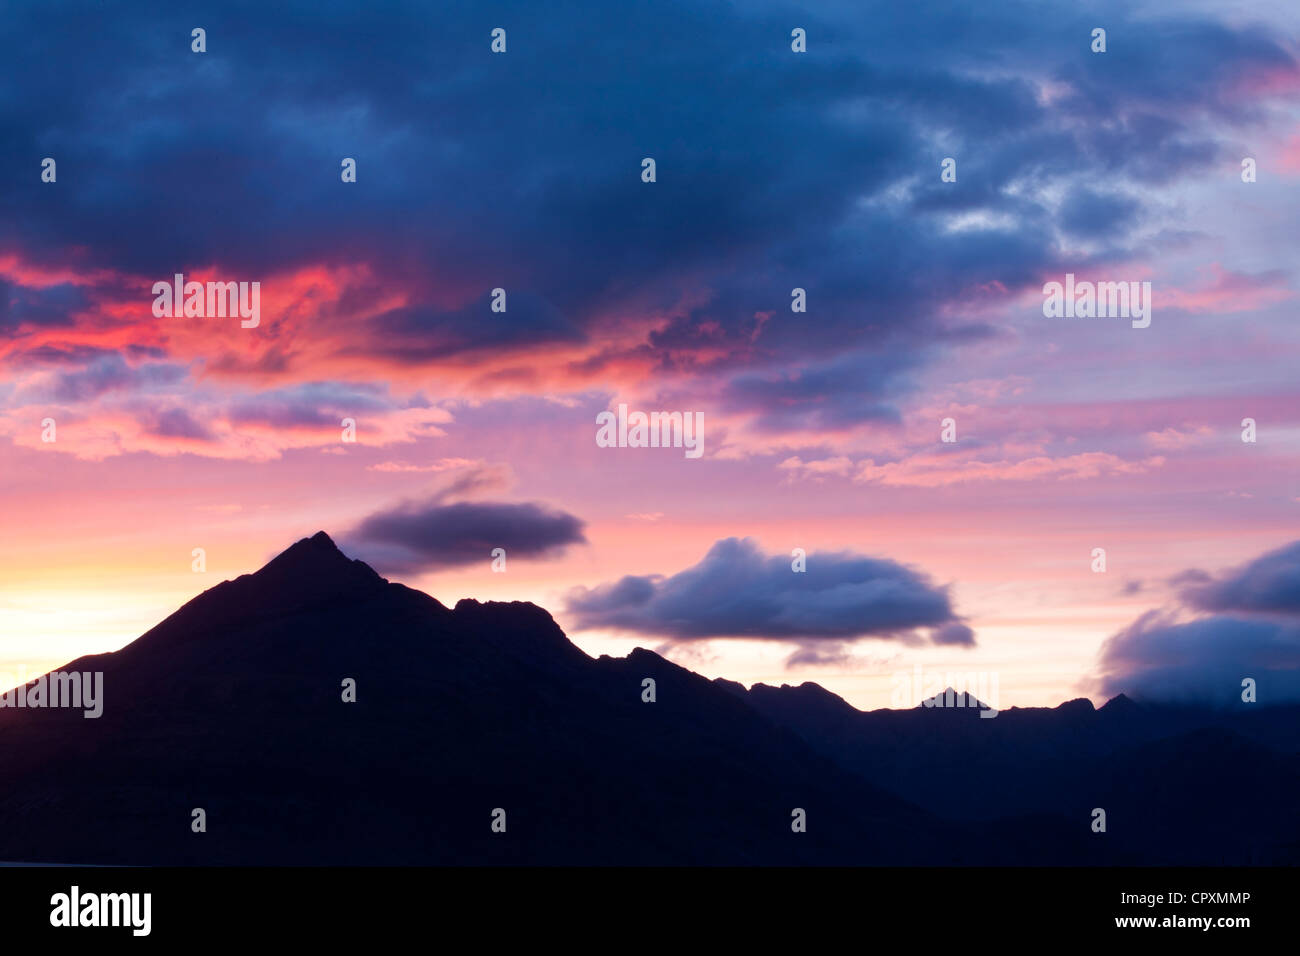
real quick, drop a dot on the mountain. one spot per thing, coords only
(1180, 785)
(234, 705)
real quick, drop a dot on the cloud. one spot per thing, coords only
(178, 423)
(821, 654)
(1251, 630)
(1269, 584)
(816, 470)
(1203, 661)
(55, 305)
(777, 171)
(442, 464)
(103, 373)
(311, 405)
(934, 471)
(427, 535)
(1171, 439)
(1093, 215)
(476, 479)
(417, 335)
(837, 394)
(737, 591)
(1228, 291)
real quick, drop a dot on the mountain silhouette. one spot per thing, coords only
(234, 705)
(1180, 785)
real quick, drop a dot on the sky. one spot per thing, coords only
(823, 429)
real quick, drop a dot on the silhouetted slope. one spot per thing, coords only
(233, 704)
(1180, 785)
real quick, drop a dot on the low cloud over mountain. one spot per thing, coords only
(1269, 584)
(738, 591)
(424, 535)
(1251, 630)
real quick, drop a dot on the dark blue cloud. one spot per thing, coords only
(1203, 661)
(737, 591)
(521, 171)
(54, 305)
(1090, 214)
(1251, 630)
(420, 334)
(423, 536)
(831, 395)
(1270, 585)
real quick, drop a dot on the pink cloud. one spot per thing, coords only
(817, 470)
(1172, 438)
(1290, 161)
(1227, 291)
(933, 471)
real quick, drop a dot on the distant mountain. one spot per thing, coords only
(1179, 785)
(234, 705)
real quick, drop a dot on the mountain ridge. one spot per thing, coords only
(235, 704)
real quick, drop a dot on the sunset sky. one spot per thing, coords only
(522, 170)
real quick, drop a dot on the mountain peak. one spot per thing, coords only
(809, 694)
(951, 698)
(319, 545)
(1079, 705)
(312, 569)
(1119, 704)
